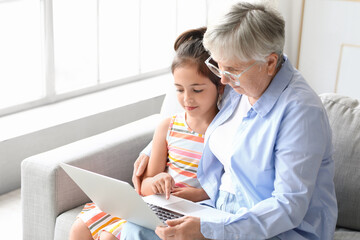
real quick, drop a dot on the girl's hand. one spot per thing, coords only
(190, 193)
(162, 183)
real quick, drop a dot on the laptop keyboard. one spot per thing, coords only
(164, 214)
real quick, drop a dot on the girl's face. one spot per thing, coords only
(195, 93)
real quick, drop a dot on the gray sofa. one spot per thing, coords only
(50, 200)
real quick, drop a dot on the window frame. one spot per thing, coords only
(50, 95)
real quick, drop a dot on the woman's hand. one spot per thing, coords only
(139, 169)
(190, 193)
(185, 228)
(162, 183)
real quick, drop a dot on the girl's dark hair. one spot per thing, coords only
(190, 50)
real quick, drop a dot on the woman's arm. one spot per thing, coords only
(140, 166)
(155, 174)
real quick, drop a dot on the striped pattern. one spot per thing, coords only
(98, 221)
(184, 147)
(184, 152)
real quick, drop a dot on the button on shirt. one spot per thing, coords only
(281, 165)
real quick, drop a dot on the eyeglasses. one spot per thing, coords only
(230, 76)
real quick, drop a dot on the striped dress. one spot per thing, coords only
(184, 152)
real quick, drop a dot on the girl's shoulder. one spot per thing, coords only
(177, 118)
(169, 122)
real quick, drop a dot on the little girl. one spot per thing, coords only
(177, 142)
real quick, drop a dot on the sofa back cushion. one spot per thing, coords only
(170, 104)
(344, 117)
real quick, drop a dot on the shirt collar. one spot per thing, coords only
(275, 88)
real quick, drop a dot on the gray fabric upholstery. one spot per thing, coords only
(344, 117)
(346, 234)
(64, 222)
(48, 192)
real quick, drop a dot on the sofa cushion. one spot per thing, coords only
(170, 104)
(346, 234)
(344, 117)
(64, 222)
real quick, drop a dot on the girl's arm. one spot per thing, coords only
(155, 177)
(190, 193)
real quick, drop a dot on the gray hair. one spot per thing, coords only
(247, 32)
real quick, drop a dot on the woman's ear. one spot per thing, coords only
(272, 61)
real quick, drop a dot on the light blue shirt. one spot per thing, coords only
(281, 165)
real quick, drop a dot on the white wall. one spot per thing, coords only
(330, 46)
(292, 12)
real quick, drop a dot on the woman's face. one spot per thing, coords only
(253, 82)
(196, 93)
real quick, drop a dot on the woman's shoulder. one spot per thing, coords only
(300, 94)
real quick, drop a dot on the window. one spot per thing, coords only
(21, 75)
(53, 50)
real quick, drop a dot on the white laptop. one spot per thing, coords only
(120, 199)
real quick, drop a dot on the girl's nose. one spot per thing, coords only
(187, 97)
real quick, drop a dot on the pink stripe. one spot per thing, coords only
(185, 153)
(180, 185)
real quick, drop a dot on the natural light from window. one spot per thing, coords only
(52, 50)
(21, 75)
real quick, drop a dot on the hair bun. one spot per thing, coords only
(192, 34)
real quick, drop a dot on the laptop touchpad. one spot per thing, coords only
(184, 207)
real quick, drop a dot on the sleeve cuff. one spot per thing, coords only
(212, 228)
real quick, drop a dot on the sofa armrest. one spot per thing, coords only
(46, 189)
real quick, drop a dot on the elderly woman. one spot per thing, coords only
(267, 156)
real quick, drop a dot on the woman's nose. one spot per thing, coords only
(224, 80)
